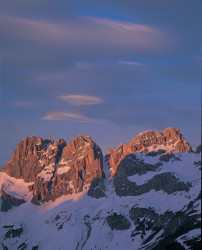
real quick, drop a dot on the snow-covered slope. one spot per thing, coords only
(152, 202)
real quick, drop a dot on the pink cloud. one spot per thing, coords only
(80, 100)
(66, 116)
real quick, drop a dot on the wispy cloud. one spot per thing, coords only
(65, 116)
(131, 63)
(67, 31)
(79, 38)
(79, 100)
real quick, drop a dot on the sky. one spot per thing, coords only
(109, 69)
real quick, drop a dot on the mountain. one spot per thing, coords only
(144, 195)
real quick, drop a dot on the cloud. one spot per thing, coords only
(79, 100)
(131, 63)
(33, 41)
(65, 116)
(91, 29)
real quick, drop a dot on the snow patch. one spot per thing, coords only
(16, 187)
(47, 172)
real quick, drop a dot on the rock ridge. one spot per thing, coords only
(56, 168)
(170, 140)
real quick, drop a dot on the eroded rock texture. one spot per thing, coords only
(56, 168)
(31, 155)
(169, 139)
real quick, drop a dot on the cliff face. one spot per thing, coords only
(56, 168)
(149, 189)
(169, 140)
(59, 168)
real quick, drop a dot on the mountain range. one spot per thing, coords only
(66, 195)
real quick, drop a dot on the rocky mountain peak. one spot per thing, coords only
(121, 145)
(56, 168)
(28, 153)
(170, 140)
(80, 141)
(152, 196)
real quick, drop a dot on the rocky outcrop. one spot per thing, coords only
(147, 219)
(168, 157)
(169, 226)
(165, 182)
(118, 222)
(198, 149)
(96, 189)
(9, 201)
(169, 140)
(13, 231)
(131, 165)
(181, 223)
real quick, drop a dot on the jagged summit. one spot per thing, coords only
(37, 158)
(170, 140)
(144, 195)
(55, 168)
(170, 137)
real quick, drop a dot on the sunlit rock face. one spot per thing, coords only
(56, 168)
(169, 140)
(145, 195)
(25, 162)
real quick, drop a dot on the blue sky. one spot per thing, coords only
(108, 69)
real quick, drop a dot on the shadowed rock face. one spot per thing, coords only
(169, 137)
(147, 219)
(130, 165)
(13, 233)
(177, 224)
(96, 189)
(118, 222)
(9, 201)
(170, 225)
(168, 157)
(165, 182)
(199, 149)
(56, 168)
